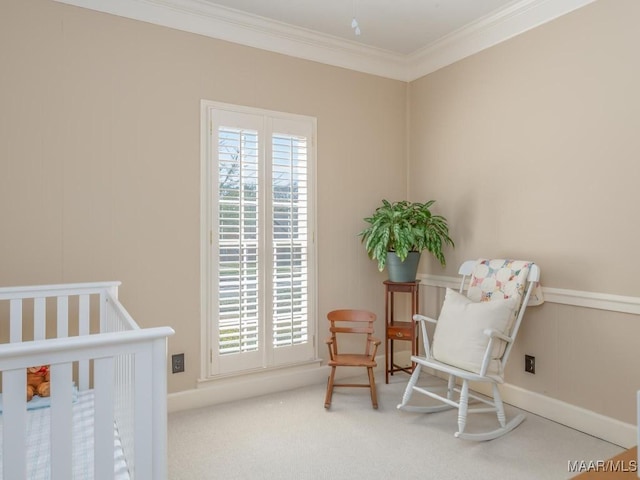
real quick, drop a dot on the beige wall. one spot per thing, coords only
(532, 150)
(100, 158)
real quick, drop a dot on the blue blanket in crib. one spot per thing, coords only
(43, 402)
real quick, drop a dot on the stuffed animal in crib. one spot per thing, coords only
(38, 382)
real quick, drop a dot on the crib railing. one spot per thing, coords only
(125, 366)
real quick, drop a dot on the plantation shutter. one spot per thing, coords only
(290, 238)
(238, 198)
(261, 260)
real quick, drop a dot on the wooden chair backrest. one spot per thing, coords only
(351, 322)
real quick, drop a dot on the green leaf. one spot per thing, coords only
(403, 227)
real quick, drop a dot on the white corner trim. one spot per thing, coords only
(577, 298)
(208, 19)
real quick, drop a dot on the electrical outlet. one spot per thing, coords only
(530, 364)
(177, 363)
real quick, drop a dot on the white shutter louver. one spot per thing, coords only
(238, 197)
(290, 226)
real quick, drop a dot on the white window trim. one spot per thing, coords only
(206, 210)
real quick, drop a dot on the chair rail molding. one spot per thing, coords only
(577, 298)
(215, 21)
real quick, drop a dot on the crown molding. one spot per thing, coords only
(204, 18)
(488, 31)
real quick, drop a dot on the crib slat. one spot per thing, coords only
(15, 313)
(104, 437)
(103, 312)
(159, 400)
(14, 430)
(143, 427)
(39, 318)
(63, 317)
(61, 421)
(83, 329)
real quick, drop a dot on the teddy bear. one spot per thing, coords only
(38, 382)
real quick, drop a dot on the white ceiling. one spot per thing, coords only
(400, 39)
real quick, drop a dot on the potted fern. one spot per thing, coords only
(397, 234)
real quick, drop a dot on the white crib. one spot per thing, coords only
(107, 416)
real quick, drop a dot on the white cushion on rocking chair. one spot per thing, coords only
(459, 338)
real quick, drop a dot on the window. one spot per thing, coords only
(258, 245)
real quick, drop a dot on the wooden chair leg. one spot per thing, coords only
(372, 386)
(327, 398)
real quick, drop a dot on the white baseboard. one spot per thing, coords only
(581, 419)
(232, 389)
(238, 388)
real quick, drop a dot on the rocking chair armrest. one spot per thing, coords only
(375, 341)
(422, 318)
(423, 330)
(490, 332)
(493, 336)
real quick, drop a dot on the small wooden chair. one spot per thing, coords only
(354, 323)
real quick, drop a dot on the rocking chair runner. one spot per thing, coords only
(472, 340)
(352, 323)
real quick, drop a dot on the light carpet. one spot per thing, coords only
(290, 435)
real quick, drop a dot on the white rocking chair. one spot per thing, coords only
(472, 340)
